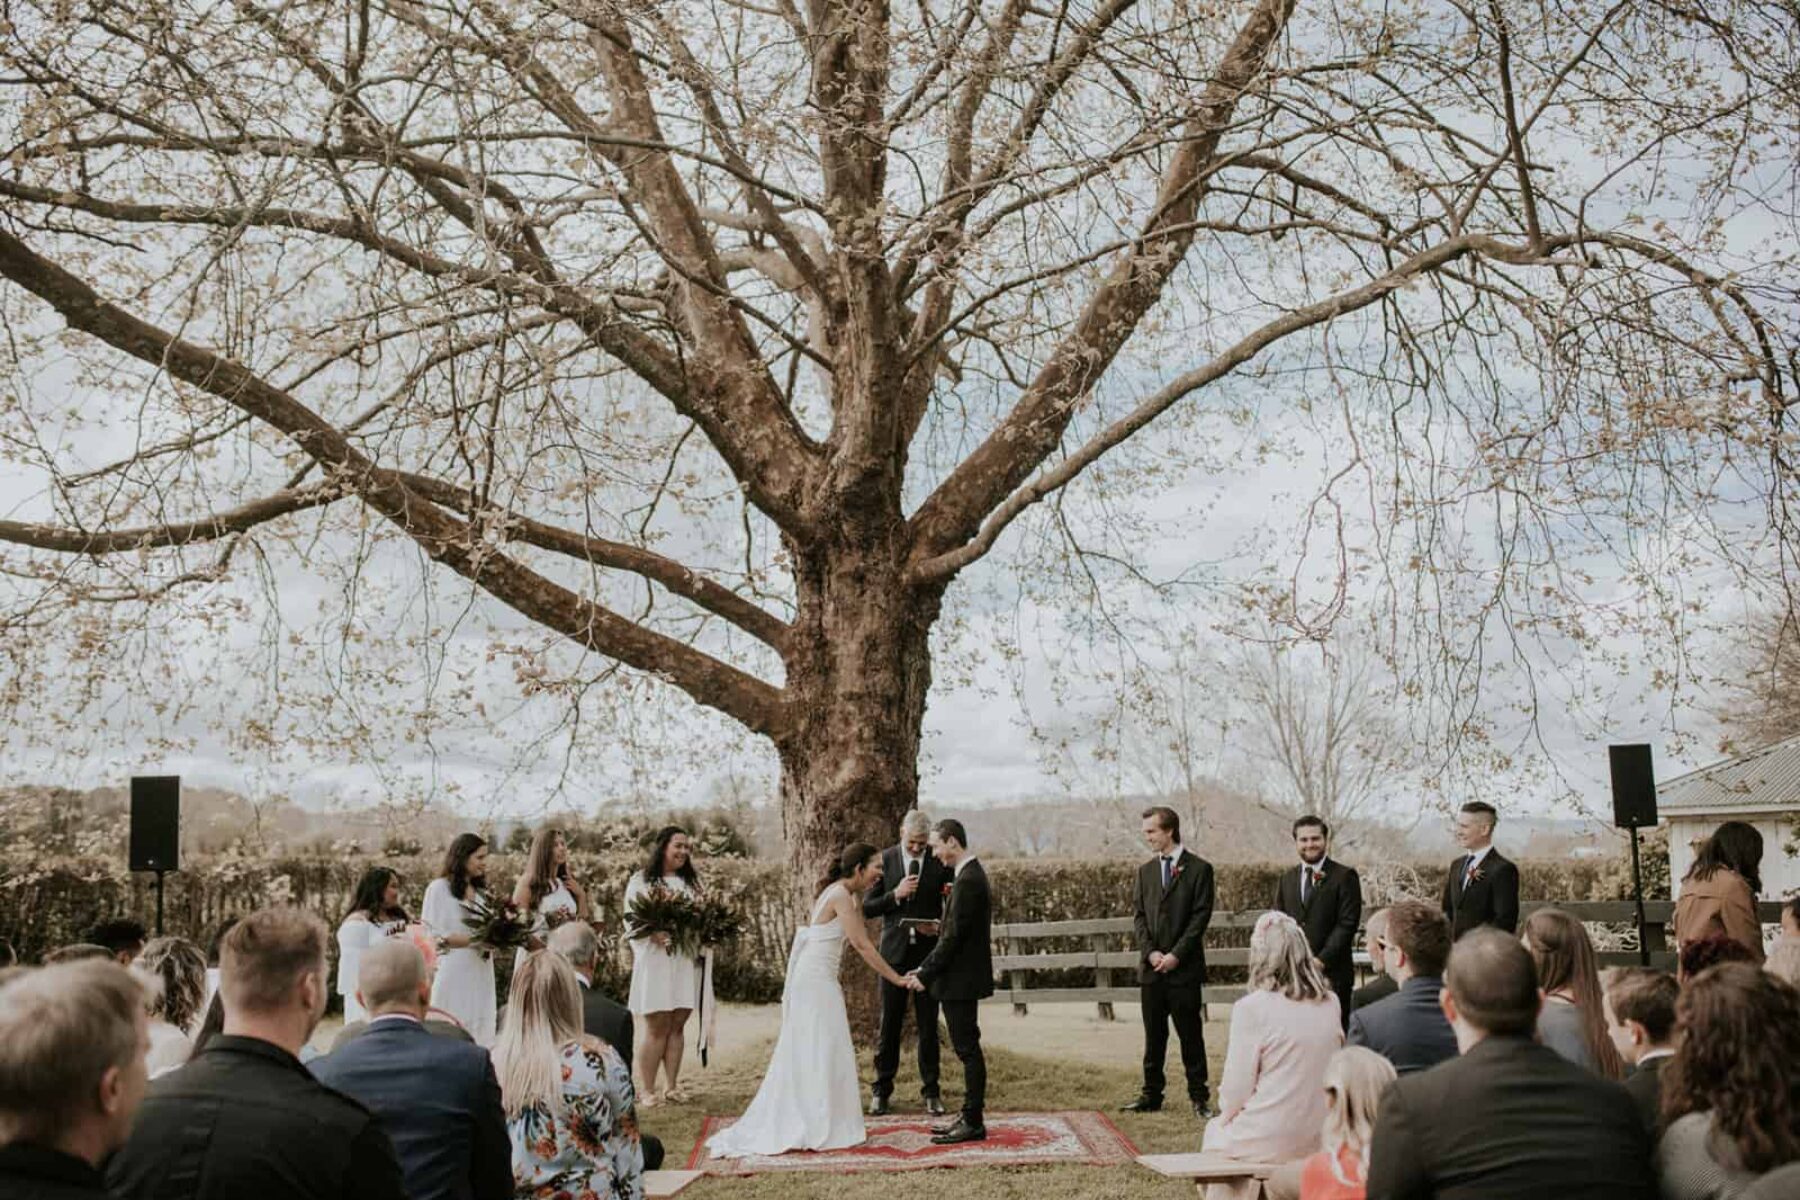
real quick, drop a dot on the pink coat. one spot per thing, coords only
(1272, 1092)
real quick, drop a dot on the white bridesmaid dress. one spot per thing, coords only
(355, 935)
(810, 1098)
(661, 980)
(464, 986)
(559, 899)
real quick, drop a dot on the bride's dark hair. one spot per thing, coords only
(855, 857)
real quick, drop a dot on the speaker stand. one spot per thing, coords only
(1637, 891)
(159, 902)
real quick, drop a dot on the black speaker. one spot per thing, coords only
(156, 822)
(1633, 786)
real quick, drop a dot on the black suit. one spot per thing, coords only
(903, 951)
(1173, 920)
(960, 973)
(1408, 1028)
(1378, 988)
(439, 1102)
(245, 1120)
(607, 1019)
(40, 1173)
(1645, 1085)
(1330, 914)
(1507, 1120)
(1492, 899)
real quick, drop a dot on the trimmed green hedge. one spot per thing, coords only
(48, 904)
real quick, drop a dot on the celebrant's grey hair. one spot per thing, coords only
(577, 942)
(391, 973)
(914, 824)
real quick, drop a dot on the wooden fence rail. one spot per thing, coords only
(1115, 970)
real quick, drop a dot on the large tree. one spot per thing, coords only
(575, 292)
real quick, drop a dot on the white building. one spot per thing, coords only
(1762, 788)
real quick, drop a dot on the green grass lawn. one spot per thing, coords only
(1016, 1082)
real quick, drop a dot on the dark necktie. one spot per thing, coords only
(1309, 879)
(1167, 872)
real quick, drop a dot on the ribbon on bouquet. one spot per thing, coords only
(708, 1009)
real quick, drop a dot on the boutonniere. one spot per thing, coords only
(1175, 871)
(946, 892)
(1477, 875)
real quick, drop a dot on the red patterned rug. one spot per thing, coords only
(904, 1144)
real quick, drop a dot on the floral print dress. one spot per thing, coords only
(589, 1150)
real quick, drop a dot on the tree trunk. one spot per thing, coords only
(858, 670)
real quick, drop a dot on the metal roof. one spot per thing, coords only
(1762, 780)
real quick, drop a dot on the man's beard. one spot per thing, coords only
(1312, 858)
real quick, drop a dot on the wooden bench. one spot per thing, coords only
(1234, 1177)
(658, 1184)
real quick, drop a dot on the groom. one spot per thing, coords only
(959, 971)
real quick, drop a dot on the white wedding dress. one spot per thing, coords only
(810, 1098)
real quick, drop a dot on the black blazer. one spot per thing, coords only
(1174, 921)
(961, 965)
(1378, 988)
(1645, 1086)
(439, 1102)
(1491, 900)
(1408, 1028)
(927, 904)
(40, 1173)
(1330, 917)
(246, 1120)
(605, 1018)
(1507, 1120)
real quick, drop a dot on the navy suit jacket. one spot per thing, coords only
(1408, 1028)
(439, 1102)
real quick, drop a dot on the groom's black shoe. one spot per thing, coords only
(879, 1107)
(960, 1132)
(934, 1107)
(1144, 1104)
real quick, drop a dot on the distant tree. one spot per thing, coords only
(1761, 680)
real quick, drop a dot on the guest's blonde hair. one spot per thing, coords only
(1281, 961)
(1355, 1077)
(543, 1015)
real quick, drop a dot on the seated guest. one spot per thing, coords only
(1408, 1028)
(1718, 893)
(211, 1025)
(1784, 957)
(1640, 1019)
(1508, 1118)
(1283, 1032)
(601, 1016)
(72, 1044)
(243, 1120)
(77, 952)
(1573, 1022)
(1381, 985)
(1731, 1094)
(177, 970)
(1710, 951)
(123, 939)
(568, 1096)
(1355, 1079)
(436, 1097)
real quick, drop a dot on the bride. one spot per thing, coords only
(810, 1098)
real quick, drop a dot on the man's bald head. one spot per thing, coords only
(392, 978)
(578, 944)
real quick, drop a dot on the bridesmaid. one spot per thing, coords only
(375, 913)
(664, 984)
(464, 987)
(546, 887)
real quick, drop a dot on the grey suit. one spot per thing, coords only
(1408, 1028)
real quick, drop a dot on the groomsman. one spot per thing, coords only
(909, 899)
(1174, 907)
(1482, 887)
(1325, 898)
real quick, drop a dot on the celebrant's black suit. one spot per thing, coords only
(1173, 919)
(1329, 912)
(905, 949)
(959, 971)
(1491, 899)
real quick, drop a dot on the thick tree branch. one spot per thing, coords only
(1031, 431)
(444, 539)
